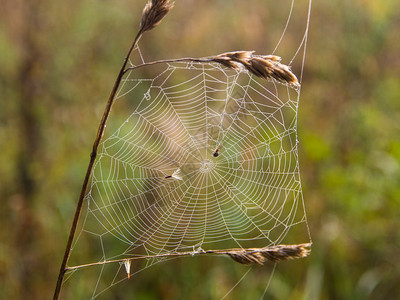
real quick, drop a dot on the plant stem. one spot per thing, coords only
(93, 156)
(199, 252)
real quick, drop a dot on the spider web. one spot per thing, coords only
(250, 192)
(195, 157)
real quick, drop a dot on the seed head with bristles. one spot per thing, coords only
(153, 13)
(275, 253)
(264, 66)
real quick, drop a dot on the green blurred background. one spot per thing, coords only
(58, 64)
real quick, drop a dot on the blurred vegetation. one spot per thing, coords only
(58, 64)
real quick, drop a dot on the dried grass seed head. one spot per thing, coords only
(275, 254)
(264, 66)
(153, 13)
(247, 258)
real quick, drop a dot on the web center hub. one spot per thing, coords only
(206, 166)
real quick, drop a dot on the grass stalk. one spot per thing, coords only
(152, 15)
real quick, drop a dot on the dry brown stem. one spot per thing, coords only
(245, 256)
(153, 13)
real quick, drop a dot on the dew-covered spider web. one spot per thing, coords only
(196, 157)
